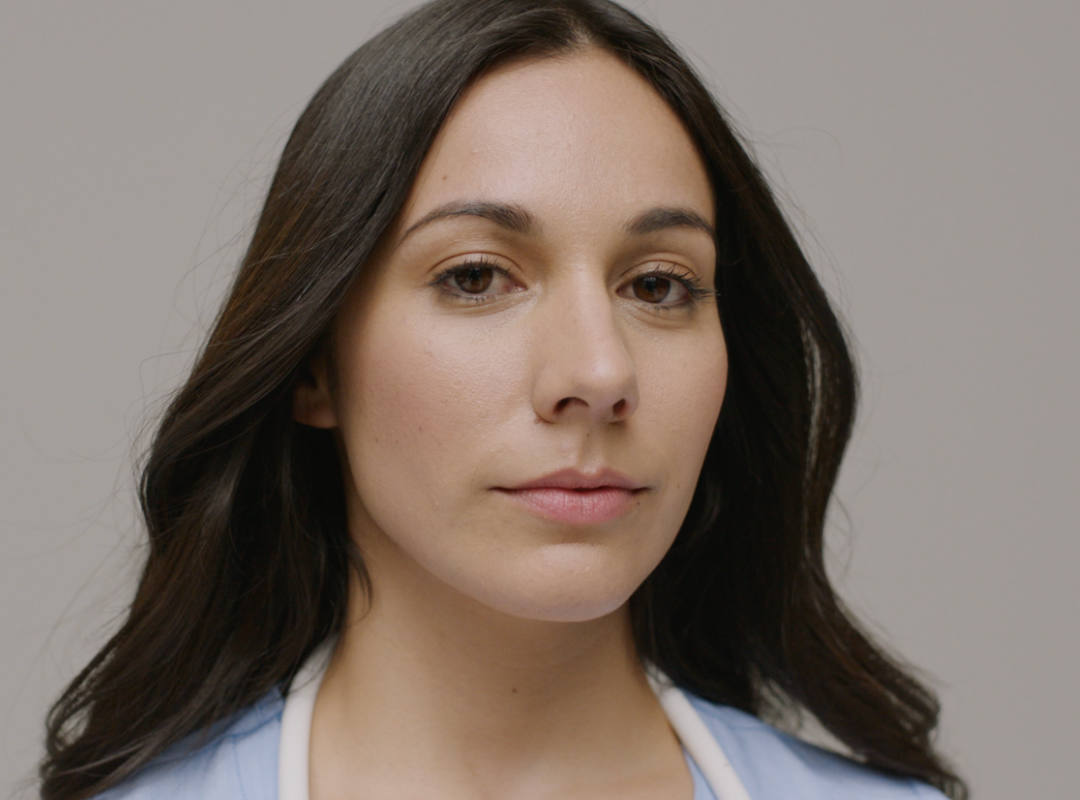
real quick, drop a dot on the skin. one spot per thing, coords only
(495, 657)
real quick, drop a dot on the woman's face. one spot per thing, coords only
(559, 348)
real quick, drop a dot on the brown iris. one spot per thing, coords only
(470, 279)
(652, 288)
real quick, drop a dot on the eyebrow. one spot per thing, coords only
(518, 219)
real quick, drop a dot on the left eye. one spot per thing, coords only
(655, 287)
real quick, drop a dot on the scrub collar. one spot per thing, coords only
(684, 718)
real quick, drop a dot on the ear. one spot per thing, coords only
(313, 402)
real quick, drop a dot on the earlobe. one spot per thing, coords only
(312, 402)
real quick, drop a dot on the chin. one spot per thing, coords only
(561, 610)
(565, 588)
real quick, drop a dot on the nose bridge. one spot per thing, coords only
(584, 365)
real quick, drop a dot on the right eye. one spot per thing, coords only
(470, 280)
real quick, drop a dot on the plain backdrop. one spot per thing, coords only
(925, 150)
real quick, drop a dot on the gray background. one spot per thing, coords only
(926, 151)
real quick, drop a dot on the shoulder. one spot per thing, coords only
(236, 759)
(775, 764)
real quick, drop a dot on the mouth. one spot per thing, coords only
(603, 478)
(587, 506)
(575, 498)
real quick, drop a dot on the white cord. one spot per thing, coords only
(296, 725)
(696, 738)
(687, 723)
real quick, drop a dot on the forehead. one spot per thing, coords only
(578, 137)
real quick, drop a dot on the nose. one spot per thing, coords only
(583, 368)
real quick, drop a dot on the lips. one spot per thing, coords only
(575, 479)
(577, 498)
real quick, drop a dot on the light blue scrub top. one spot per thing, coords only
(240, 762)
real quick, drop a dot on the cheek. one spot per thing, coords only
(687, 387)
(417, 399)
(680, 406)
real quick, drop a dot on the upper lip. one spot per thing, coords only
(575, 479)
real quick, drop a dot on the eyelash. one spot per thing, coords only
(695, 292)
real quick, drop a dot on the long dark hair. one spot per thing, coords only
(249, 553)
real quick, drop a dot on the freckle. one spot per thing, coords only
(513, 689)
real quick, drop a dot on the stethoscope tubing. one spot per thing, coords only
(685, 721)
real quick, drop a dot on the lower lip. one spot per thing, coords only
(587, 507)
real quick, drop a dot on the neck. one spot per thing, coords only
(429, 682)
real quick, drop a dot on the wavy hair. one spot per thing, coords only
(249, 554)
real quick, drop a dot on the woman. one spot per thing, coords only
(504, 469)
